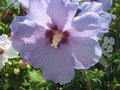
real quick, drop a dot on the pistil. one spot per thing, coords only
(56, 39)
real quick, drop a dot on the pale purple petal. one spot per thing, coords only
(14, 27)
(87, 51)
(37, 13)
(106, 3)
(86, 33)
(58, 66)
(58, 13)
(35, 54)
(72, 8)
(14, 24)
(106, 19)
(71, 1)
(74, 1)
(24, 32)
(26, 3)
(61, 12)
(88, 21)
(45, 4)
(91, 7)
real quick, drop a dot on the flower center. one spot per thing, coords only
(56, 37)
(1, 51)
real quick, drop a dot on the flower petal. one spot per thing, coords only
(6, 45)
(56, 63)
(61, 11)
(11, 52)
(72, 8)
(91, 7)
(37, 13)
(25, 32)
(88, 21)
(3, 60)
(96, 7)
(45, 4)
(58, 66)
(4, 41)
(71, 1)
(106, 4)
(106, 19)
(87, 51)
(58, 13)
(34, 54)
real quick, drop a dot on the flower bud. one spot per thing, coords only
(9, 63)
(23, 65)
(16, 71)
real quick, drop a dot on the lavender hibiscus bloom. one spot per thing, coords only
(106, 18)
(106, 3)
(50, 37)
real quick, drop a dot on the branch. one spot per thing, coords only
(88, 80)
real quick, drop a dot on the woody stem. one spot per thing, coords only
(88, 80)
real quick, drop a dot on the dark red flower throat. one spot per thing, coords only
(57, 37)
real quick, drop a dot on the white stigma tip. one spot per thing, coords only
(53, 46)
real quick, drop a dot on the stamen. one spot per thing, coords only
(56, 38)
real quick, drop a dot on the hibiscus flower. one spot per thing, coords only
(6, 50)
(49, 36)
(96, 7)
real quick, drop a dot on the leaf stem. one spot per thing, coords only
(88, 80)
(7, 9)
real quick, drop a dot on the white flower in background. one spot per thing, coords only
(110, 49)
(106, 40)
(107, 46)
(112, 41)
(109, 55)
(104, 45)
(104, 52)
(6, 50)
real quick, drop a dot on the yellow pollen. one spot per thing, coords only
(56, 39)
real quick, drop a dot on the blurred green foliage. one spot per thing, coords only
(17, 75)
